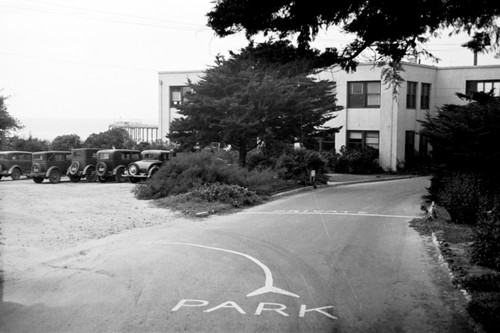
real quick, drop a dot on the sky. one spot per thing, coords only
(76, 66)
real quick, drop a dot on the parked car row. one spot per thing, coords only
(90, 163)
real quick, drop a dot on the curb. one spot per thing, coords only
(335, 184)
(446, 266)
(374, 180)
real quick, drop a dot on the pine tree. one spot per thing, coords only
(244, 103)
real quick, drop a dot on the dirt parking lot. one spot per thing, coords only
(38, 220)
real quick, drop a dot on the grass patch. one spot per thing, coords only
(217, 198)
(482, 283)
(192, 206)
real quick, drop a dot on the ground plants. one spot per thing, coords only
(190, 171)
(356, 161)
(463, 195)
(465, 181)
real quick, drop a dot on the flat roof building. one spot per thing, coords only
(372, 115)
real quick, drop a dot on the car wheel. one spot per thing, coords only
(91, 175)
(74, 167)
(74, 179)
(16, 174)
(119, 175)
(55, 177)
(38, 180)
(101, 179)
(101, 169)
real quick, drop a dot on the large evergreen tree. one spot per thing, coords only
(464, 138)
(393, 29)
(7, 122)
(244, 102)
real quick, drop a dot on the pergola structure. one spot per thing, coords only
(138, 132)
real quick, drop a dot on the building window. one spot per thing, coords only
(363, 139)
(425, 96)
(483, 86)
(178, 95)
(363, 94)
(423, 147)
(409, 145)
(320, 144)
(411, 95)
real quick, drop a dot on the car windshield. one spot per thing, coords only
(3, 157)
(77, 153)
(40, 157)
(104, 156)
(60, 157)
(151, 156)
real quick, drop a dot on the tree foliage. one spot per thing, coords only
(465, 138)
(244, 102)
(391, 29)
(66, 142)
(7, 122)
(114, 138)
(29, 144)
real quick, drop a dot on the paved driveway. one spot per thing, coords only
(337, 259)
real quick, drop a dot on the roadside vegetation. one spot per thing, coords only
(465, 185)
(214, 182)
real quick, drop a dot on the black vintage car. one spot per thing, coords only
(112, 163)
(150, 163)
(50, 164)
(15, 164)
(83, 164)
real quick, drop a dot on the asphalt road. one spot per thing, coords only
(336, 259)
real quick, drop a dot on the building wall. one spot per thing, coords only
(166, 80)
(408, 118)
(451, 80)
(392, 119)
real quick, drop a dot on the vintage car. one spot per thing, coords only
(83, 162)
(150, 163)
(50, 164)
(112, 163)
(15, 164)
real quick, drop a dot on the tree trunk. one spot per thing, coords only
(243, 150)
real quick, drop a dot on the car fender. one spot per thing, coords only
(87, 168)
(153, 169)
(13, 167)
(51, 169)
(118, 167)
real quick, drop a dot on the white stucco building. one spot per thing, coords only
(371, 115)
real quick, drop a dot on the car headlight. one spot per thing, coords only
(133, 169)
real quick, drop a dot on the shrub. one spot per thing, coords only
(192, 170)
(486, 246)
(486, 282)
(330, 158)
(357, 161)
(485, 308)
(462, 195)
(298, 164)
(256, 160)
(234, 195)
